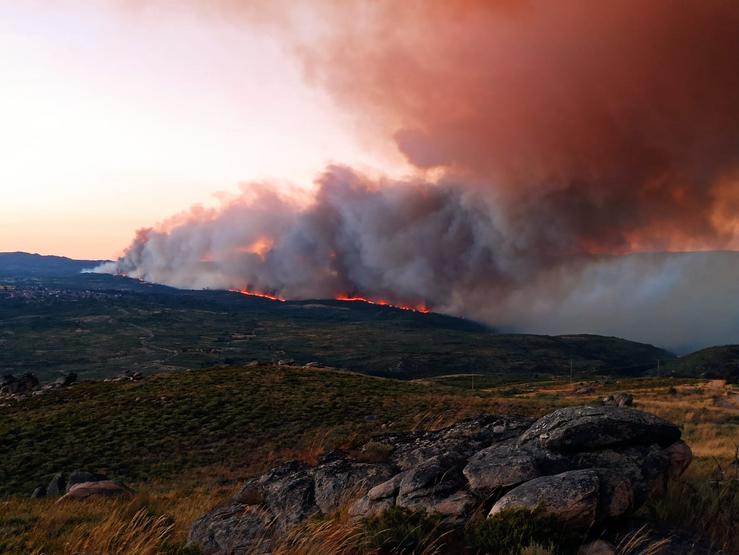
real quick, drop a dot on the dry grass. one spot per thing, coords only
(641, 542)
(122, 534)
(151, 519)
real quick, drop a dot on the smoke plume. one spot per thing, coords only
(548, 137)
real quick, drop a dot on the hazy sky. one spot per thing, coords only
(112, 120)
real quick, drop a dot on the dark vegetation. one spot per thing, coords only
(236, 417)
(713, 362)
(101, 325)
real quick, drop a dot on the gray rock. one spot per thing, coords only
(40, 491)
(571, 497)
(66, 379)
(57, 485)
(81, 476)
(576, 428)
(378, 499)
(234, 529)
(507, 464)
(289, 494)
(464, 439)
(619, 400)
(338, 481)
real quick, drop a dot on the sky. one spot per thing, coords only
(115, 119)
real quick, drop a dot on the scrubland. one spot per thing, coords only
(185, 440)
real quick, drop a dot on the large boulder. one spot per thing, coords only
(507, 464)
(571, 497)
(582, 465)
(233, 529)
(589, 428)
(336, 482)
(57, 485)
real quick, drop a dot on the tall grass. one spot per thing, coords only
(122, 534)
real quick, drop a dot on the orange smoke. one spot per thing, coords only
(612, 121)
(260, 247)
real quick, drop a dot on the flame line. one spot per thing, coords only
(381, 302)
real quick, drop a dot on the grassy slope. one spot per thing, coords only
(713, 362)
(158, 427)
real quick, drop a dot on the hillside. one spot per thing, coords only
(714, 362)
(26, 264)
(100, 325)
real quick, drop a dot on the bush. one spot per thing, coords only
(512, 531)
(400, 530)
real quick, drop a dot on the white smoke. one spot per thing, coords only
(454, 249)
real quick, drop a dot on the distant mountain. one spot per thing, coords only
(714, 362)
(23, 264)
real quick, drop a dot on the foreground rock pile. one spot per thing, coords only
(582, 465)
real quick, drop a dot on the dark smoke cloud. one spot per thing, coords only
(557, 132)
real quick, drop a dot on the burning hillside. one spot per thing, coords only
(547, 138)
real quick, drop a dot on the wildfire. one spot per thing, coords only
(380, 302)
(257, 294)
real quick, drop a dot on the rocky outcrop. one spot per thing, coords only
(582, 465)
(11, 385)
(619, 399)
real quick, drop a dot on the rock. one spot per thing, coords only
(235, 529)
(337, 481)
(576, 428)
(598, 547)
(12, 385)
(57, 485)
(584, 390)
(40, 491)
(103, 488)
(464, 438)
(65, 380)
(80, 477)
(680, 457)
(619, 400)
(505, 465)
(289, 494)
(583, 465)
(571, 497)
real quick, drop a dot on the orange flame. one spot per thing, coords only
(380, 302)
(257, 294)
(260, 247)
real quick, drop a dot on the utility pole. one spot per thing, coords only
(473, 382)
(658, 368)
(571, 376)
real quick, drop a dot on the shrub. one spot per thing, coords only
(512, 531)
(400, 530)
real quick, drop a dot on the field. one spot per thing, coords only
(185, 440)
